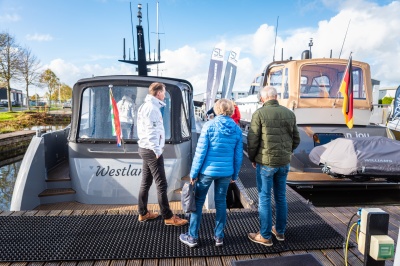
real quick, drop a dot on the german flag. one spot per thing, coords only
(346, 88)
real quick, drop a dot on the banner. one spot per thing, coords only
(396, 104)
(214, 74)
(230, 74)
(116, 125)
(346, 88)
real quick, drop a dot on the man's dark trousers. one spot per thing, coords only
(153, 168)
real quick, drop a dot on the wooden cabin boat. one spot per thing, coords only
(310, 88)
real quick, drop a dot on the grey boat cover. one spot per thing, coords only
(359, 156)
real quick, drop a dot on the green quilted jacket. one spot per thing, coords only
(273, 135)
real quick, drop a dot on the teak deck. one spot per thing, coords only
(337, 217)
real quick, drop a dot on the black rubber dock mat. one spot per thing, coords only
(97, 237)
(107, 237)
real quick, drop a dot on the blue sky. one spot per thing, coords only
(81, 38)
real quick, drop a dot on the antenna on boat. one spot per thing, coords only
(123, 56)
(344, 39)
(148, 30)
(276, 33)
(141, 62)
(133, 37)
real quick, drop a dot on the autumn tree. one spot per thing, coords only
(51, 80)
(10, 62)
(29, 70)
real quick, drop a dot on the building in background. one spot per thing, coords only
(18, 98)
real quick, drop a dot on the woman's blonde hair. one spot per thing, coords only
(224, 107)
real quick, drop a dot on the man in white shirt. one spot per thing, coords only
(151, 142)
(126, 109)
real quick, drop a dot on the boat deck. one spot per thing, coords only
(337, 217)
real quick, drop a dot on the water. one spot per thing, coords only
(8, 175)
(9, 172)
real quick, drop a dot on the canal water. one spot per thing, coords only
(9, 171)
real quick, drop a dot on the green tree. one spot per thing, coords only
(51, 80)
(29, 70)
(66, 92)
(10, 62)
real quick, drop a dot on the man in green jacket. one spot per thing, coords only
(272, 137)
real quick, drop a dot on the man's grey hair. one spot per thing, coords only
(268, 92)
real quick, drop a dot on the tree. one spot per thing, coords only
(30, 71)
(51, 80)
(65, 92)
(10, 62)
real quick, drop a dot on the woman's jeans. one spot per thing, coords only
(221, 184)
(268, 178)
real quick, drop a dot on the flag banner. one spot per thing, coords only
(214, 74)
(346, 89)
(116, 125)
(396, 104)
(230, 74)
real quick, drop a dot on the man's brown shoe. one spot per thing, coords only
(279, 237)
(175, 220)
(148, 216)
(257, 238)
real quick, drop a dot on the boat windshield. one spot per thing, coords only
(323, 81)
(95, 115)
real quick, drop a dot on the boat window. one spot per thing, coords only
(276, 81)
(323, 81)
(96, 117)
(185, 114)
(285, 84)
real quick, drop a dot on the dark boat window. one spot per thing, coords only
(323, 81)
(95, 114)
(324, 138)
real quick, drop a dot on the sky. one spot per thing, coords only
(84, 38)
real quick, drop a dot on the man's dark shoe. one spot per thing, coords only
(188, 240)
(279, 237)
(257, 238)
(219, 241)
(148, 216)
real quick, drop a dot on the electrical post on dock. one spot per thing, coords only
(373, 241)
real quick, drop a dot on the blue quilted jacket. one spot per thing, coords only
(219, 151)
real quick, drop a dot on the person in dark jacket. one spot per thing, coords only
(211, 113)
(218, 159)
(271, 140)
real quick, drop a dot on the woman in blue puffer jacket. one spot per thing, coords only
(218, 158)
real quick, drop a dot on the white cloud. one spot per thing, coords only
(9, 18)
(373, 37)
(39, 37)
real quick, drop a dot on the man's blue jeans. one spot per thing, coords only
(203, 183)
(268, 178)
